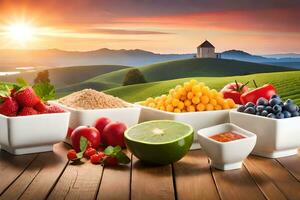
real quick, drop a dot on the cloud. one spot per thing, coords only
(120, 31)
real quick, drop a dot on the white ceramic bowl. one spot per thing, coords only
(129, 116)
(197, 120)
(275, 137)
(226, 155)
(32, 134)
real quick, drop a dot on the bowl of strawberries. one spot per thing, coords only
(28, 123)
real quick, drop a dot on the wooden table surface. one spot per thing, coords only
(50, 176)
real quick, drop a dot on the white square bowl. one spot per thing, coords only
(197, 120)
(275, 137)
(226, 155)
(32, 134)
(129, 115)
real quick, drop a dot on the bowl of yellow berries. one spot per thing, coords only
(192, 102)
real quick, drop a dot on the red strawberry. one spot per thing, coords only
(28, 111)
(40, 107)
(54, 109)
(72, 155)
(27, 97)
(9, 107)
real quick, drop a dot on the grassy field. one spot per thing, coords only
(287, 84)
(175, 70)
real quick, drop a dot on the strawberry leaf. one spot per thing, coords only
(44, 90)
(122, 158)
(109, 151)
(83, 144)
(21, 82)
(4, 90)
(79, 155)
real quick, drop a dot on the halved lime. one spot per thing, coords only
(160, 141)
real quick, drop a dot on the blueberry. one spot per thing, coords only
(289, 101)
(287, 114)
(241, 108)
(277, 109)
(262, 101)
(250, 110)
(260, 108)
(295, 114)
(274, 102)
(290, 107)
(269, 109)
(250, 104)
(280, 115)
(271, 115)
(274, 96)
(297, 108)
(264, 113)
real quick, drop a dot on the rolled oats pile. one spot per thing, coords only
(89, 99)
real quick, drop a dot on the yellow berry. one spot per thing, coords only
(204, 100)
(200, 107)
(187, 103)
(220, 101)
(219, 94)
(209, 107)
(196, 89)
(193, 82)
(191, 108)
(195, 100)
(218, 107)
(190, 95)
(180, 105)
(183, 98)
(162, 108)
(177, 110)
(156, 99)
(230, 103)
(152, 105)
(171, 92)
(187, 86)
(163, 97)
(205, 90)
(213, 102)
(169, 108)
(178, 87)
(198, 94)
(175, 102)
(225, 106)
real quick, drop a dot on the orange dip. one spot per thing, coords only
(226, 137)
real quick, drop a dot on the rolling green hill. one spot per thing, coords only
(287, 84)
(179, 69)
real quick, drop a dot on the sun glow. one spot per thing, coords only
(20, 32)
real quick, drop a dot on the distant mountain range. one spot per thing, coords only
(10, 59)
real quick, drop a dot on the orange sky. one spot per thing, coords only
(270, 26)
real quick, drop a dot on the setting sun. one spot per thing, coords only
(20, 32)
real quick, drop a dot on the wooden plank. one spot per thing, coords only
(280, 177)
(109, 184)
(236, 184)
(193, 177)
(151, 182)
(11, 167)
(78, 181)
(265, 184)
(40, 176)
(292, 164)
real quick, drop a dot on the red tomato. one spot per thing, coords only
(101, 123)
(266, 91)
(90, 133)
(113, 134)
(234, 91)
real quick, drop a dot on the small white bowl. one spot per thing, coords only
(32, 134)
(275, 137)
(226, 155)
(197, 120)
(129, 115)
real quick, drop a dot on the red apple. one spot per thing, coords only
(101, 123)
(90, 133)
(113, 134)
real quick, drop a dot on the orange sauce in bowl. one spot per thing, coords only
(226, 137)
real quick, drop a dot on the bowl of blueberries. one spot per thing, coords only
(275, 122)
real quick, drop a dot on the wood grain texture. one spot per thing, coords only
(39, 177)
(115, 184)
(193, 177)
(285, 182)
(236, 184)
(265, 184)
(79, 181)
(292, 164)
(151, 182)
(11, 167)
